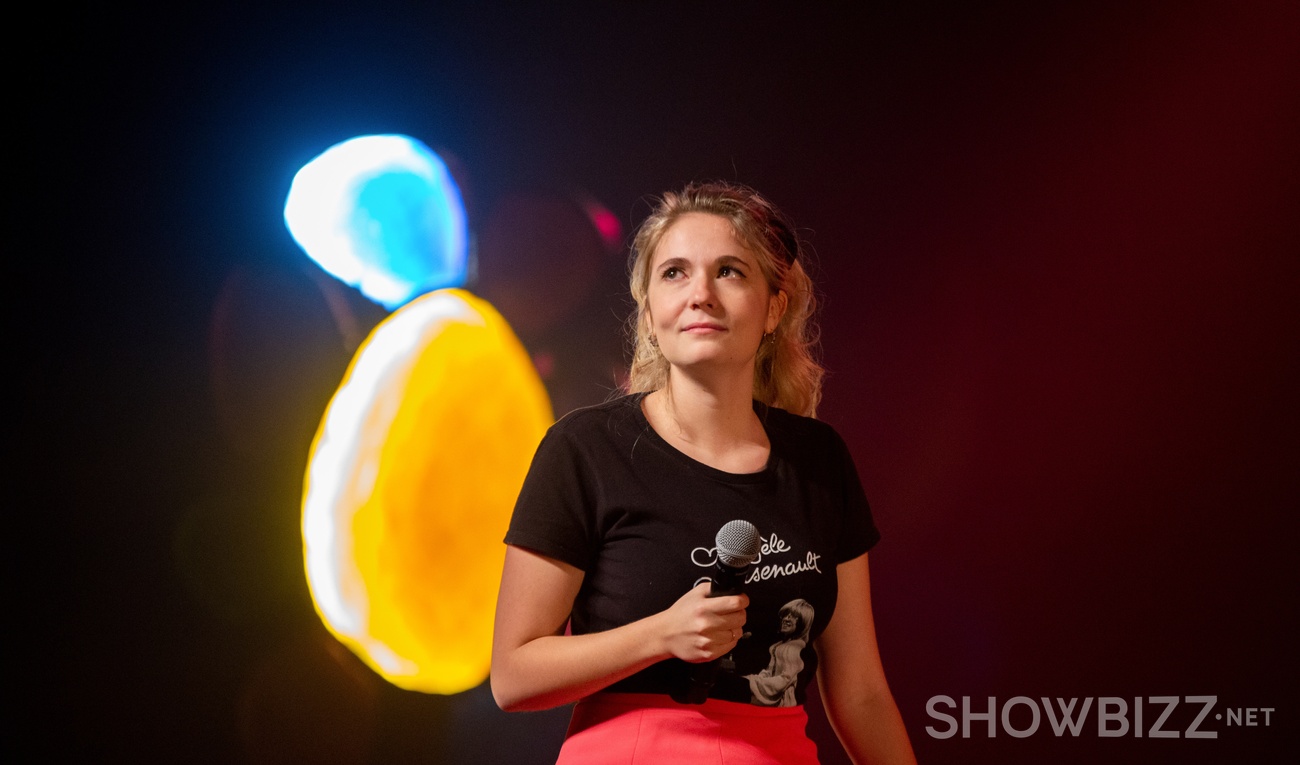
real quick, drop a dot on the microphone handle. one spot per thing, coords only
(727, 580)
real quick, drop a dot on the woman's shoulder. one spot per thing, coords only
(811, 444)
(796, 427)
(615, 415)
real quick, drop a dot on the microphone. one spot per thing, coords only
(738, 544)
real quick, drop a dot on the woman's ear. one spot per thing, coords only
(776, 306)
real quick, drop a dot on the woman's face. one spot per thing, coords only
(708, 302)
(789, 623)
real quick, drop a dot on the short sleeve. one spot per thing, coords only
(858, 532)
(554, 513)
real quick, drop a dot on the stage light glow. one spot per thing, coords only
(611, 231)
(410, 485)
(383, 214)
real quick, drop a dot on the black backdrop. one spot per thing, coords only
(1058, 251)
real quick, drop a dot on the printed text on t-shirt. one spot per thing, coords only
(705, 557)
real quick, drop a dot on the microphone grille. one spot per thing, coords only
(738, 543)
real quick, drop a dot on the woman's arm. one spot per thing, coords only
(851, 678)
(536, 666)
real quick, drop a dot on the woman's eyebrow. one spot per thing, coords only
(748, 264)
(678, 262)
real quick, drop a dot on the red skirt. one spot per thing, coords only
(650, 729)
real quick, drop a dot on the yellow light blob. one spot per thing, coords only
(409, 488)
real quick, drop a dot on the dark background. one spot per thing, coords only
(1058, 251)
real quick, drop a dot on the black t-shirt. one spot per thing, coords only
(606, 494)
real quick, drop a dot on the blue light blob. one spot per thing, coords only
(383, 214)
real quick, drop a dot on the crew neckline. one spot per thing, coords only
(759, 476)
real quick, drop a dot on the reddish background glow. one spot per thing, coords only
(1058, 251)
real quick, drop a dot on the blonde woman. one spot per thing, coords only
(602, 600)
(775, 685)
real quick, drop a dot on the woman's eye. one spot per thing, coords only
(672, 272)
(729, 271)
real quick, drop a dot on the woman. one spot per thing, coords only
(616, 521)
(775, 685)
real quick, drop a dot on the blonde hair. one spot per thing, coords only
(786, 372)
(803, 611)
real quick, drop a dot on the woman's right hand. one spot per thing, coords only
(535, 665)
(698, 628)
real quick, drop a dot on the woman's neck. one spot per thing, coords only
(715, 425)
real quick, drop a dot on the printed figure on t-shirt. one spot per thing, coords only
(774, 686)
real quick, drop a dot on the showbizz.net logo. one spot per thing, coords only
(1190, 717)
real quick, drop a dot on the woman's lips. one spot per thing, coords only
(703, 327)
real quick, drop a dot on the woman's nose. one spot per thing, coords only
(702, 294)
